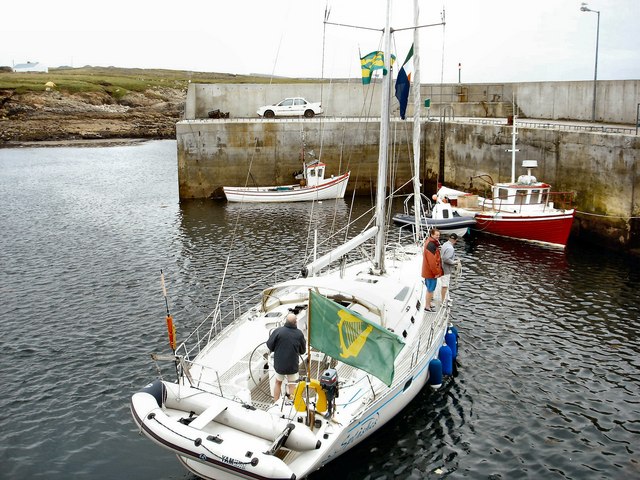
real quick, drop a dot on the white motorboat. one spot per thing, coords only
(313, 186)
(372, 347)
(440, 215)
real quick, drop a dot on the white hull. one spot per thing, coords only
(328, 189)
(231, 367)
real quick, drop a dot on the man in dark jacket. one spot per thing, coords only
(287, 343)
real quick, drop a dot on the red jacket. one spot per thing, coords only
(431, 263)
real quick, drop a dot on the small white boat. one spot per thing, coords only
(439, 214)
(524, 209)
(312, 187)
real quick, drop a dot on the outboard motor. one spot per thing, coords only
(158, 391)
(329, 383)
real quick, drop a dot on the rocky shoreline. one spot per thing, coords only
(52, 118)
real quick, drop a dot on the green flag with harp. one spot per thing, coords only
(352, 339)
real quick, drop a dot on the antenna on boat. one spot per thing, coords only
(514, 135)
(171, 329)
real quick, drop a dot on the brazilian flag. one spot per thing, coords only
(370, 62)
(346, 336)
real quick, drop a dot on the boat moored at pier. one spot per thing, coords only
(525, 209)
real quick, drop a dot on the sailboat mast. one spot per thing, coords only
(417, 203)
(514, 134)
(381, 191)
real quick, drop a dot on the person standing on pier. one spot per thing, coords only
(431, 266)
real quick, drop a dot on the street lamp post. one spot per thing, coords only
(584, 8)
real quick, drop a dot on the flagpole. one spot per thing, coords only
(309, 336)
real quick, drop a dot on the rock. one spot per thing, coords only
(60, 115)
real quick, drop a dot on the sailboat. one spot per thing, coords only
(371, 348)
(525, 209)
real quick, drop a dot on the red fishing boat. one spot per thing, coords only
(525, 209)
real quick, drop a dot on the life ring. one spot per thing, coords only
(298, 397)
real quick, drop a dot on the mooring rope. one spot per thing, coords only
(625, 217)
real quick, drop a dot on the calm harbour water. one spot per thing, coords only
(548, 384)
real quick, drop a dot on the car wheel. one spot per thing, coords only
(309, 114)
(269, 114)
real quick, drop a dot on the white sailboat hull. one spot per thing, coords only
(226, 368)
(327, 189)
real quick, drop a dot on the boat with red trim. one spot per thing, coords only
(312, 187)
(526, 208)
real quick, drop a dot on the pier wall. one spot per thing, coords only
(616, 100)
(601, 168)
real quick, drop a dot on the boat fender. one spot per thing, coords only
(450, 340)
(446, 357)
(435, 373)
(454, 330)
(158, 391)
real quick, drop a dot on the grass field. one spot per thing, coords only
(118, 81)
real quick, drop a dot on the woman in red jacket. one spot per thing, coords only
(431, 266)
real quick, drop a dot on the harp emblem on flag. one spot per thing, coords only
(353, 334)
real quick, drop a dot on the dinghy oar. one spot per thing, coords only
(171, 329)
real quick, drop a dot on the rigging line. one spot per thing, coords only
(354, 26)
(275, 62)
(309, 229)
(327, 11)
(340, 170)
(624, 217)
(235, 231)
(442, 61)
(418, 26)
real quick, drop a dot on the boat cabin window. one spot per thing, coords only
(535, 197)
(521, 197)
(312, 172)
(503, 193)
(545, 196)
(320, 172)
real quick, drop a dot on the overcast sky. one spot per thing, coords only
(494, 40)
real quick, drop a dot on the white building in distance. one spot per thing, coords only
(30, 67)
